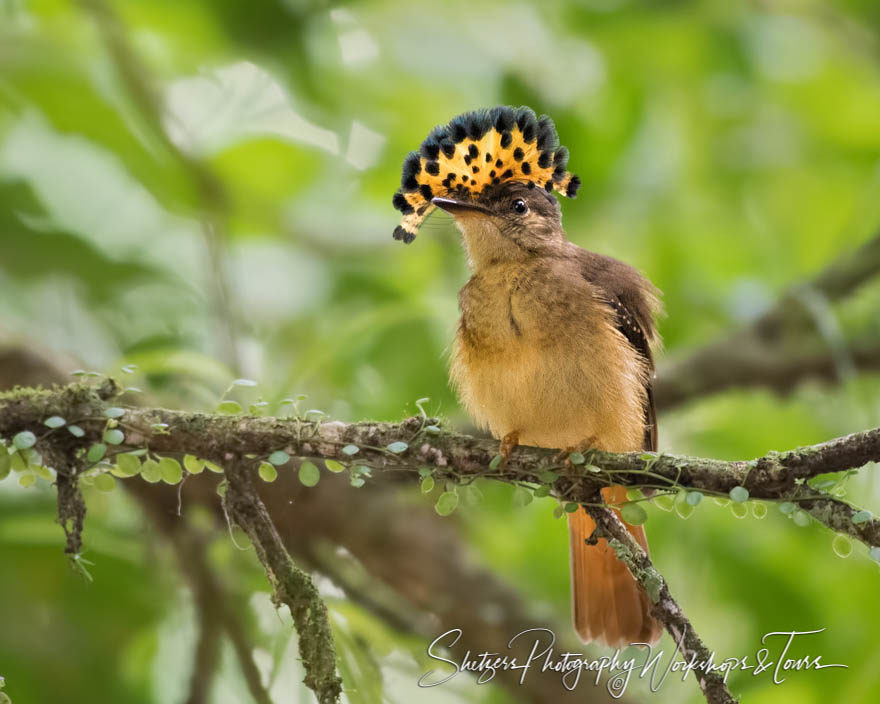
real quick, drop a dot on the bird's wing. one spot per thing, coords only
(629, 327)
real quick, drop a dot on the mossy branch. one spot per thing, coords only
(238, 444)
(665, 609)
(417, 443)
(292, 586)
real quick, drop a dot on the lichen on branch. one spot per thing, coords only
(417, 446)
(85, 435)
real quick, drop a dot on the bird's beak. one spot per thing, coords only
(457, 208)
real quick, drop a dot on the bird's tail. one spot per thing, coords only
(608, 605)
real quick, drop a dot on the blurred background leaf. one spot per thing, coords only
(221, 208)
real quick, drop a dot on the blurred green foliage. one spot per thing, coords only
(727, 149)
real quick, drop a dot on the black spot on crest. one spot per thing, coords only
(400, 202)
(403, 235)
(547, 139)
(488, 157)
(430, 149)
(573, 186)
(542, 135)
(426, 191)
(475, 169)
(561, 156)
(526, 168)
(507, 174)
(412, 166)
(518, 154)
(433, 168)
(467, 159)
(473, 127)
(548, 186)
(504, 118)
(545, 159)
(506, 139)
(524, 116)
(473, 151)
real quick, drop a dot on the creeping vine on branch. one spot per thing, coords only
(79, 426)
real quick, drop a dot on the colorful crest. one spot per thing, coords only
(478, 149)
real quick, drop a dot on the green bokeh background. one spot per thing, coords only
(727, 149)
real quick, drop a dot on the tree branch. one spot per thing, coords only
(292, 586)
(207, 655)
(666, 609)
(743, 362)
(239, 443)
(433, 584)
(777, 476)
(782, 347)
(215, 614)
(436, 584)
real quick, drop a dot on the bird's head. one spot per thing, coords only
(507, 222)
(494, 171)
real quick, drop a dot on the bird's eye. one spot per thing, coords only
(520, 207)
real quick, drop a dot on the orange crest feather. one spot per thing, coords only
(478, 149)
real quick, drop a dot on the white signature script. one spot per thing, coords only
(571, 666)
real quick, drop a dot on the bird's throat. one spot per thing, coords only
(485, 244)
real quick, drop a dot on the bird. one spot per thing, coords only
(553, 346)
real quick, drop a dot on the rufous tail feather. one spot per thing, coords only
(608, 605)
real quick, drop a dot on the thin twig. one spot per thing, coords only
(207, 655)
(665, 609)
(244, 652)
(372, 594)
(215, 613)
(292, 586)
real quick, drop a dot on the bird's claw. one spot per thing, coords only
(583, 447)
(508, 442)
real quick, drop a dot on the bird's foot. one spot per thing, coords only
(582, 447)
(508, 442)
